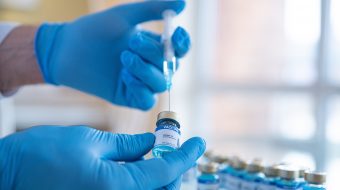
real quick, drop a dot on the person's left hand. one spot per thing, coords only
(55, 158)
(106, 55)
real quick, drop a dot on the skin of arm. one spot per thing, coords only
(18, 63)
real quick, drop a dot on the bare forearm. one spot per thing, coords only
(18, 64)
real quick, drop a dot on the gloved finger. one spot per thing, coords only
(148, 49)
(138, 94)
(145, 72)
(123, 147)
(136, 13)
(181, 42)
(176, 185)
(152, 35)
(171, 166)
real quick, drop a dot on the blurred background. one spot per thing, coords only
(262, 80)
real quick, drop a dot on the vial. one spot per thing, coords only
(223, 169)
(236, 174)
(190, 175)
(315, 181)
(167, 134)
(289, 178)
(207, 156)
(271, 177)
(254, 175)
(302, 171)
(208, 179)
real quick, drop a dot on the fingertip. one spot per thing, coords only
(135, 41)
(196, 145)
(181, 41)
(126, 58)
(179, 7)
(148, 103)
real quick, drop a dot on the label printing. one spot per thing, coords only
(167, 135)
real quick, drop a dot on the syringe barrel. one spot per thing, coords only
(168, 16)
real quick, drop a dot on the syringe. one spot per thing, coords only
(169, 63)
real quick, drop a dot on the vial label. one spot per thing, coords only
(247, 185)
(266, 187)
(223, 179)
(203, 186)
(233, 183)
(167, 135)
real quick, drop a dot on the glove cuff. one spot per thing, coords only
(45, 40)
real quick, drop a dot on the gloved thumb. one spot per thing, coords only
(136, 13)
(123, 147)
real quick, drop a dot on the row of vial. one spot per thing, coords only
(218, 172)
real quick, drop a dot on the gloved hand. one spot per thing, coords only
(104, 54)
(83, 158)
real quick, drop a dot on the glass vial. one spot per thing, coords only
(302, 171)
(223, 169)
(236, 174)
(167, 134)
(315, 181)
(271, 177)
(208, 179)
(289, 179)
(254, 175)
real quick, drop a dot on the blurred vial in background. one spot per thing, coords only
(167, 134)
(207, 156)
(271, 177)
(208, 179)
(236, 173)
(190, 175)
(302, 171)
(254, 175)
(223, 170)
(289, 178)
(315, 181)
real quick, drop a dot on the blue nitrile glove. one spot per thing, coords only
(64, 158)
(106, 55)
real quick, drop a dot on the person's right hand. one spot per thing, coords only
(105, 54)
(84, 158)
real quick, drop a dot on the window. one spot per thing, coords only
(267, 78)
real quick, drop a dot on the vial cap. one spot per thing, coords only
(255, 166)
(288, 173)
(210, 167)
(315, 177)
(168, 115)
(208, 154)
(271, 171)
(220, 159)
(239, 164)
